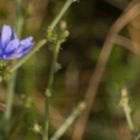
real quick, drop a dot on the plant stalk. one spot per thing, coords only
(48, 91)
(12, 81)
(68, 122)
(44, 41)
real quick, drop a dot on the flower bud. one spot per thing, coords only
(66, 33)
(63, 25)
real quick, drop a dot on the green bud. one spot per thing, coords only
(66, 33)
(37, 128)
(63, 25)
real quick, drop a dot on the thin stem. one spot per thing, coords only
(128, 118)
(138, 137)
(53, 68)
(124, 102)
(20, 17)
(55, 53)
(9, 102)
(43, 42)
(68, 122)
(62, 12)
(12, 81)
(53, 65)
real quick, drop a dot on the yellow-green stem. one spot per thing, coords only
(48, 93)
(68, 122)
(12, 80)
(62, 12)
(55, 53)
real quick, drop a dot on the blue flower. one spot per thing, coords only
(12, 47)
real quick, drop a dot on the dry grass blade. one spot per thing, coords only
(122, 21)
(132, 46)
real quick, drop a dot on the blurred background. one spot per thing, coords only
(88, 23)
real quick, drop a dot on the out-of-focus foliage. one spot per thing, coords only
(89, 22)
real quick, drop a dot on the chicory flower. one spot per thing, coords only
(11, 47)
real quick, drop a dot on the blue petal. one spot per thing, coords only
(24, 47)
(6, 35)
(1, 49)
(12, 46)
(8, 56)
(27, 42)
(24, 52)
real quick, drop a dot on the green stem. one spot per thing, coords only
(12, 81)
(43, 42)
(20, 18)
(53, 65)
(55, 53)
(9, 102)
(62, 12)
(128, 118)
(53, 68)
(124, 102)
(73, 116)
(138, 137)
